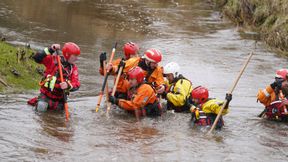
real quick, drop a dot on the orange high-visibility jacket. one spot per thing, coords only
(143, 96)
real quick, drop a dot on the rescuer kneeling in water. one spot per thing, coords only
(52, 89)
(206, 110)
(178, 89)
(274, 97)
(143, 97)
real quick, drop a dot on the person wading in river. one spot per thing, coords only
(274, 97)
(143, 100)
(52, 90)
(149, 64)
(205, 109)
(130, 50)
(178, 88)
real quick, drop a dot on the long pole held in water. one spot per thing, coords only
(230, 92)
(115, 86)
(106, 78)
(62, 80)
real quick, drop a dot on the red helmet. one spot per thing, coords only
(282, 73)
(70, 49)
(136, 73)
(200, 93)
(153, 55)
(130, 48)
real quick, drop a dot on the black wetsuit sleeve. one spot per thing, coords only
(40, 55)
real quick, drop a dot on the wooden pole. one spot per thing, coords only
(115, 86)
(230, 92)
(106, 78)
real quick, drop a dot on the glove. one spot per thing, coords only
(55, 47)
(113, 100)
(102, 57)
(164, 95)
(276, 84)
(228, 97)
(121, 64)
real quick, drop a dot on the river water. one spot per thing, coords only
(209, 50)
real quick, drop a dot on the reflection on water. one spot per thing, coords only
(209, 50)
(53, 124)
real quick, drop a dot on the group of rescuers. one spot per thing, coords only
(141, 86)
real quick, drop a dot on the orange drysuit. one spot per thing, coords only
(144, 99)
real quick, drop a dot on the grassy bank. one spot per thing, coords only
(18, 72)
(268, 17)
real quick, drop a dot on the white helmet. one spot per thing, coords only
(172, 68)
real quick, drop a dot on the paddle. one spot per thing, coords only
(116, 83)
(106, 78)
(230, 92)
(62, 80)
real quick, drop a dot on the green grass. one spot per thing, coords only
(24, 65)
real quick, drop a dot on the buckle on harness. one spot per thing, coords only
(49, 82)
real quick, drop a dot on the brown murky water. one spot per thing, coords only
(209, 50)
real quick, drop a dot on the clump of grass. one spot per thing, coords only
(17, 69)
(233, 11)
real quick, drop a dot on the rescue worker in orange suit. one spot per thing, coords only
(274, 97)
(52, 90)
(130, 50)
(149, 63)
(178, 89)
(205, 109)
(143, 100)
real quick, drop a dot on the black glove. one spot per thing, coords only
(277, 83)
(164, 95)
(102, 57)
(228, 97)
(121, 64)
(113, 100)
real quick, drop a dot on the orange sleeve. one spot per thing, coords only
(269, 89)
(131, 63)
(139, 100)
(115, 65)
(157, 77)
